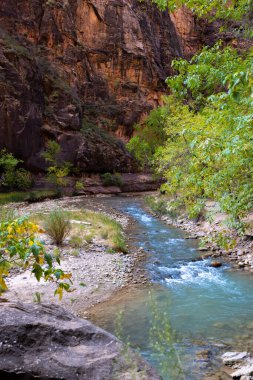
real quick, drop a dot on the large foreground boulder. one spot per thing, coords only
(47, 342)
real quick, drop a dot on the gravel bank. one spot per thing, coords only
(96, 273)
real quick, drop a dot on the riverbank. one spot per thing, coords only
(96, 273)
(216, 240)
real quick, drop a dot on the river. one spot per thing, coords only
(210, 310)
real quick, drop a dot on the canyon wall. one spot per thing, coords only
(83, 72)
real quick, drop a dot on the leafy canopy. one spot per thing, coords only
(232, 9)
(208, 148)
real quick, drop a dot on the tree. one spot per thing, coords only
(58, 170)
(208, 148)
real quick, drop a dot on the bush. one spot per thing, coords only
(158, 206)
(57, 227)
(20, 246)
(13, 178)
(23, 179)
(109, 179)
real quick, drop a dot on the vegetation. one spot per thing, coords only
(148, 137)
(57, 226)
(20, 246)
(109, 179)
(158, 205)
(208, 150)
(85, 226)
(228, 10)
(58, 170)
(32, 196)
(13, 177)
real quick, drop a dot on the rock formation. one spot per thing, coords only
(81, 71)
(47, 342)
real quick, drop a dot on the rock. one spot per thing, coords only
(47, 342)
(216, 264)
(203, 354)
(233, 357)
(246, 370)
(93, 65)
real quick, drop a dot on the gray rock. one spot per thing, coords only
(246, 370)
(233, 357)
(47, 342)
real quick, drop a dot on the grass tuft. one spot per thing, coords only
(57, 226)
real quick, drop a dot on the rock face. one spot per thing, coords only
(80, 71)
(46, 342)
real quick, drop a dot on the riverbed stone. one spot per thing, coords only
(45, 341)
(216, 264)
(246, 370)
(233, 357)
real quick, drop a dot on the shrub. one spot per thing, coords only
(109, 179)
(13, 178)
(79, 186)
(23, 179)
(19, 245)
(57, 227)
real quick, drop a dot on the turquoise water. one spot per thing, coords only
(209, 308)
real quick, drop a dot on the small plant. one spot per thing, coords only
(89, 238)
(76, 241)
(57, 227)
(79, 186)
(74, 252)
(119, 244)
(37, 297)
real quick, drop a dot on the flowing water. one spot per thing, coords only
(210, 309)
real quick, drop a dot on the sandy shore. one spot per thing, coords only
(96, 273)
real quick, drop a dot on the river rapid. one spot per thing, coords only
(210, 310)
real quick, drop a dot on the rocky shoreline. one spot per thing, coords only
(99, 273)
(240, 256)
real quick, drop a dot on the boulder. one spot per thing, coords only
(44, 341)
(246, 370)
(234, 357)
(216, 264)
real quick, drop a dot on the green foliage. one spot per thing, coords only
(52, 151)
(57, 226)
(58, 169)
(157, 205)
(208, 149)
(13, 177)
(109, 179)
(32, 196)
(148, 137)
(233, 9)
(79, 186)
(20, 246)
(76, 241)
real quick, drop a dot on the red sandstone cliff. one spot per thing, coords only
(67, 65)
